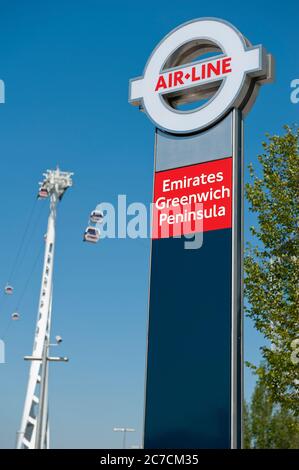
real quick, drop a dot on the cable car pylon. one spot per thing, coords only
(34, 430)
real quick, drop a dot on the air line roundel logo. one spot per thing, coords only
(197, 73)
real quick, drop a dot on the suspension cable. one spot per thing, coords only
(15, 263)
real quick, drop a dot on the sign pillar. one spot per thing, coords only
(194, 354)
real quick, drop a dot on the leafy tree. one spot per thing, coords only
(272, 268)
(247, 433)
(268, 425)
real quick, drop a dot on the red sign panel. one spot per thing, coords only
(192, 199)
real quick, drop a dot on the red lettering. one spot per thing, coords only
(226, 65)
(161, 83)
(207, 70)
(177, 78)
(213, 69)
(195, 77)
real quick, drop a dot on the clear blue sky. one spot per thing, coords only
(66, 66)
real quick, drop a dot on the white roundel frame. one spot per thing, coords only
(250, 66)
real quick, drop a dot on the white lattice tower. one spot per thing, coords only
(34, 430)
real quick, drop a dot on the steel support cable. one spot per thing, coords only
(21, 296)
(15, 263)
(26, 245)
(20, 256)
(4, 296)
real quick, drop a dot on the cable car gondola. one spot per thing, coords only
(8, 289)
(91, 235)
(43, 193)
(96, 217)
(15, 316)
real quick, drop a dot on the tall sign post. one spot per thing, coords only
(197, 86)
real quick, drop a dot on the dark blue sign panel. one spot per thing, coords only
(189, 356)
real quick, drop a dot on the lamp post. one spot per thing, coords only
(124, 431)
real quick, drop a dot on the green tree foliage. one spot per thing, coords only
(247, 433)
(268, 425)
(272, 265)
